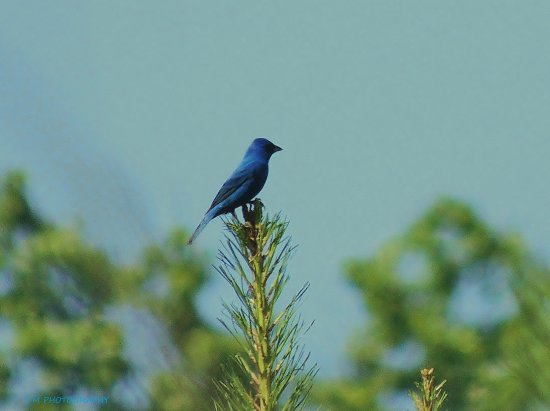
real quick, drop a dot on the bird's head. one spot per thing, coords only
(263, 147)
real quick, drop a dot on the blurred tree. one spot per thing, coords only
(54, 289)
(171, 278)
(453, 294)
(56, 296)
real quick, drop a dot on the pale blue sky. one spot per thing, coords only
(130, 114)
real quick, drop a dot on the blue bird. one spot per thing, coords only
(244, 184)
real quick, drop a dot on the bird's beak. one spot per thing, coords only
(276, 148)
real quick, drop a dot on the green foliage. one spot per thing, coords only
(526, 339)
(272, 371)
(55, 296)
(430, 397)
(456, 294)
(15, 212)
(189, 383)
(55, 289)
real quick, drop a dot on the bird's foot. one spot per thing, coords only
(257, 202)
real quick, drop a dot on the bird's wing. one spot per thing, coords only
(238, 179)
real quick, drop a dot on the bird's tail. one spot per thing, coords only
(206, 219)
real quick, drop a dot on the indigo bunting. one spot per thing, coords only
(246, 182)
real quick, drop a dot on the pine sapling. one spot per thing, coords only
(272, 372)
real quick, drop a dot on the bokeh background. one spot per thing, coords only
(126, 117)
